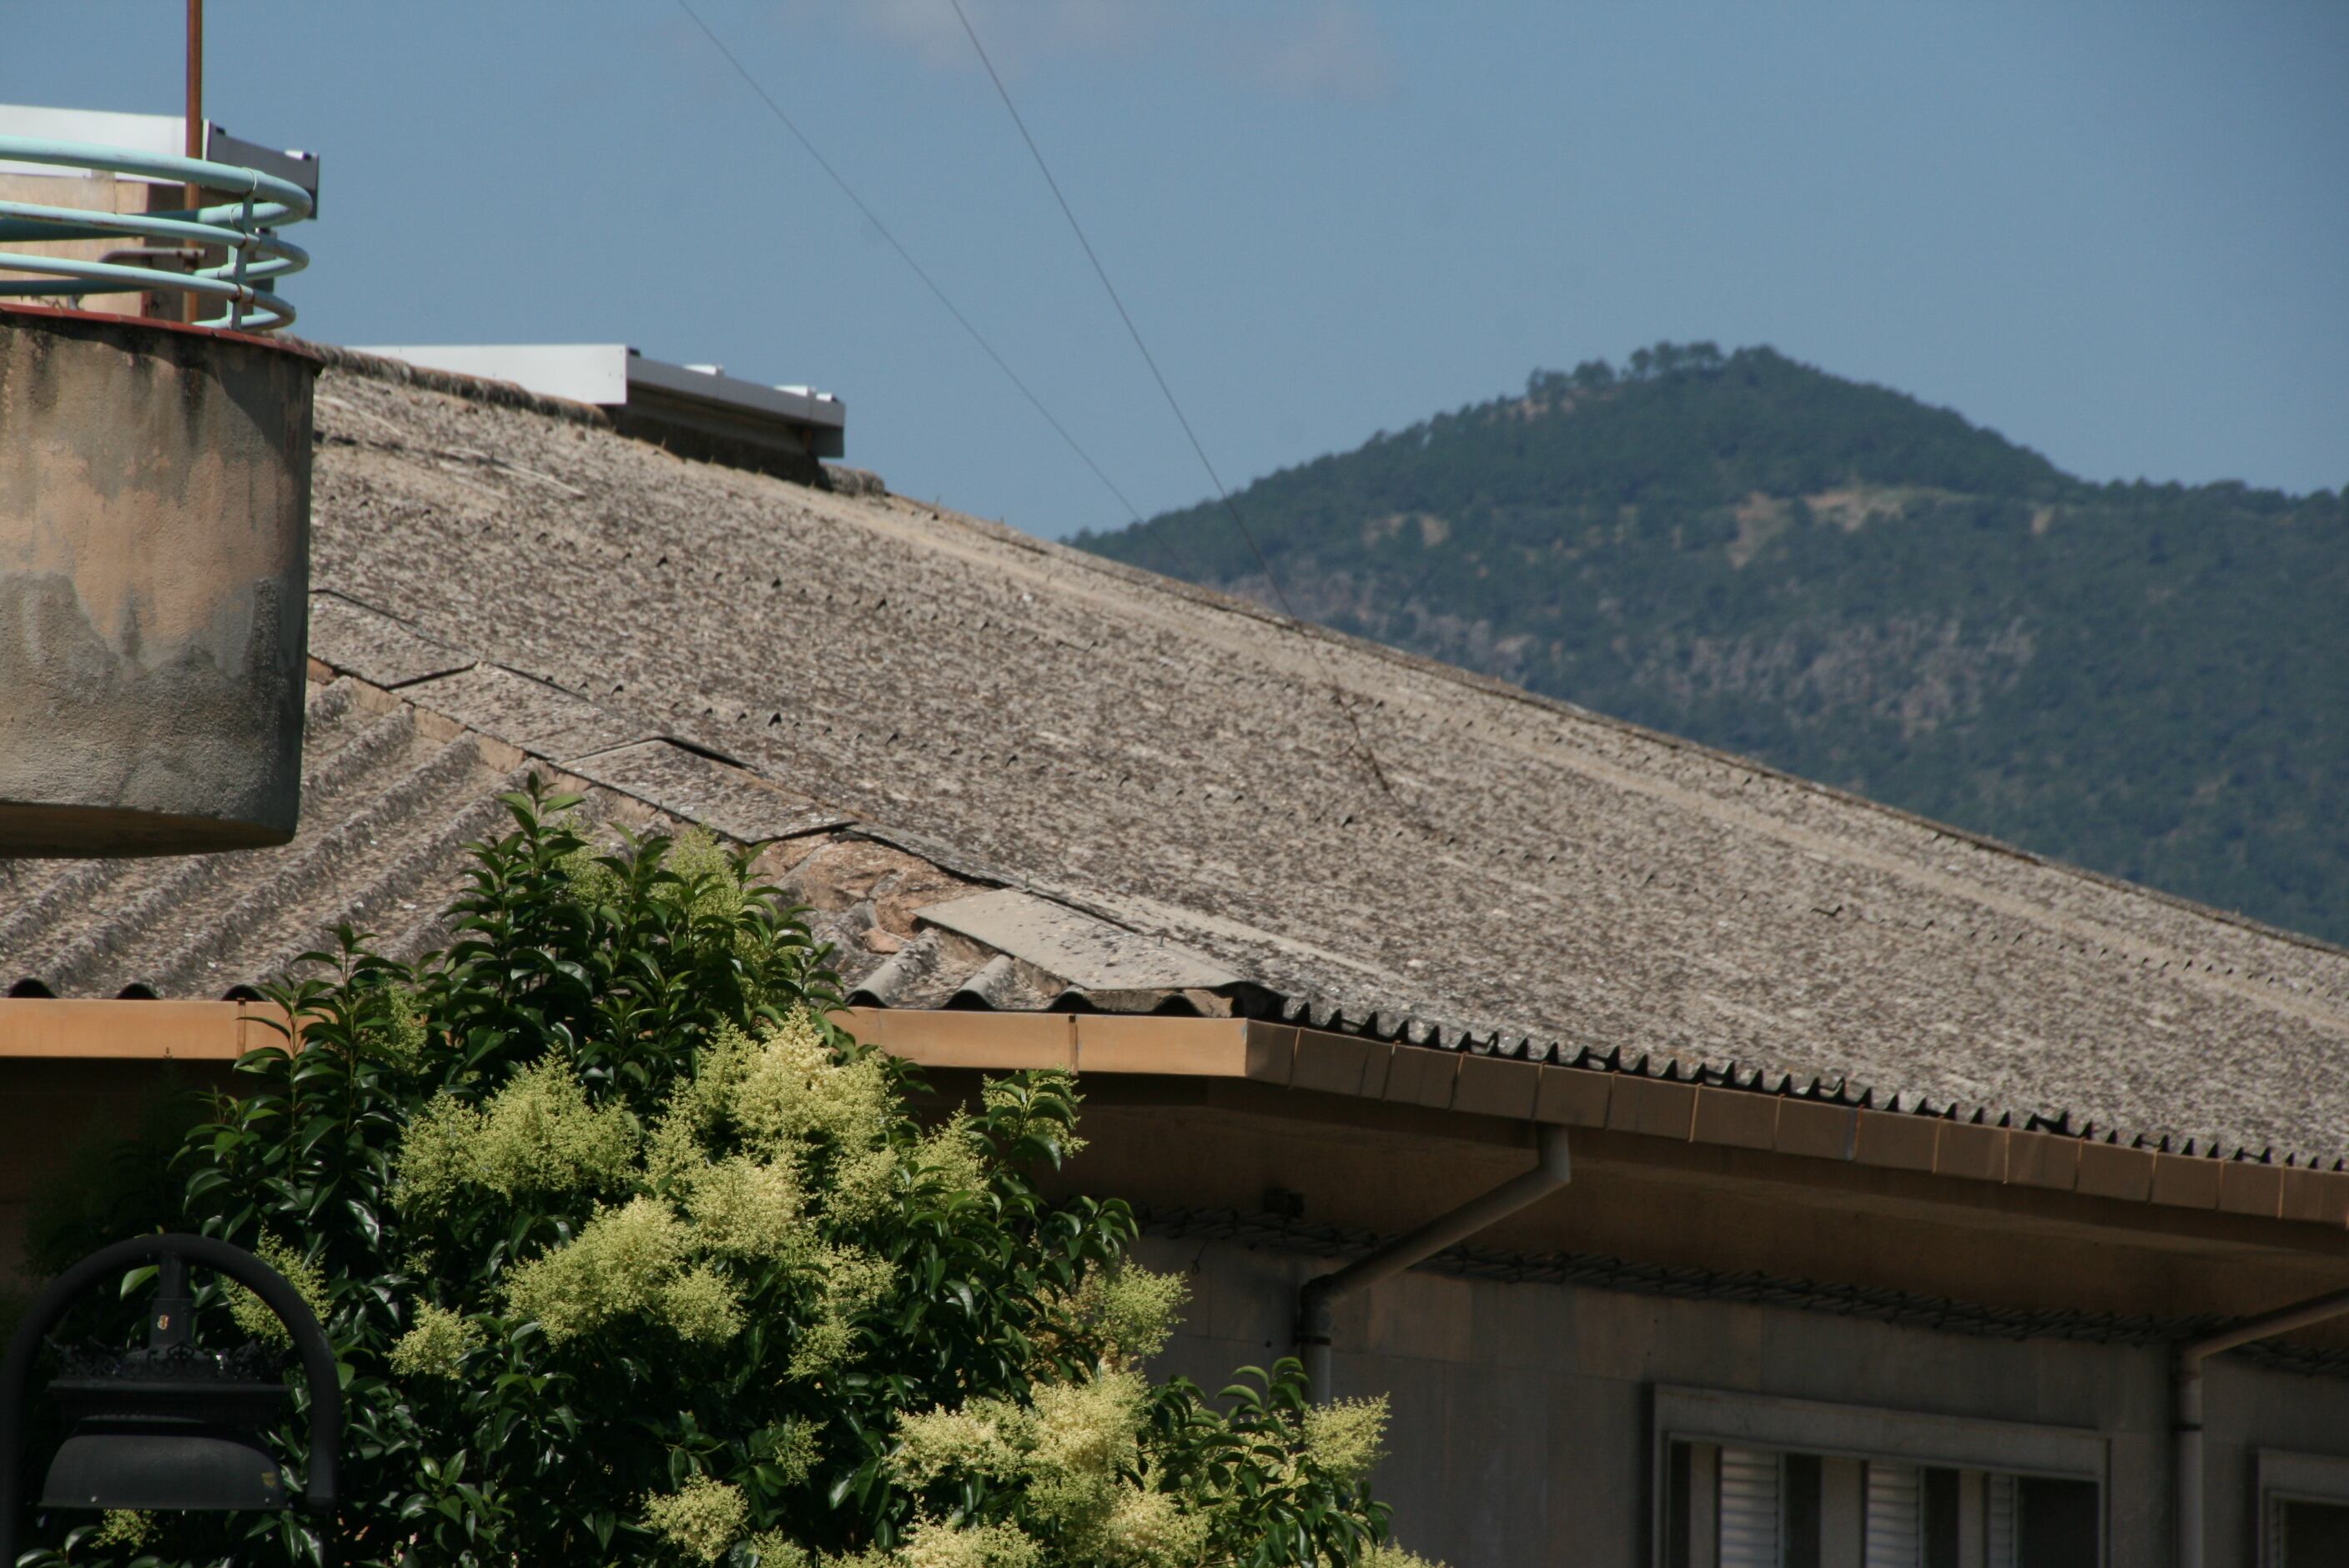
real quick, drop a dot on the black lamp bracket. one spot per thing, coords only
(167, 1326)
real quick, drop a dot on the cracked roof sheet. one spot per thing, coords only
(928, 707)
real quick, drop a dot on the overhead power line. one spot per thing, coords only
(1223, 492)
(920, 272)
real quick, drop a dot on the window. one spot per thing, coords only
(2304, 1531)
(1756, 1507)
(1750, 1482)
(2303, 1511)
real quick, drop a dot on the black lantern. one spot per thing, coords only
(171, 1426)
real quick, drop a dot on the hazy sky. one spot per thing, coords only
(2118, 234)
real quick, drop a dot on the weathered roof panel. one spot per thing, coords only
(373, 647)
(533, 714)
(693, 788)
(1089, 954)
(963, 708)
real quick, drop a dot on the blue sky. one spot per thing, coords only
(2114, 233)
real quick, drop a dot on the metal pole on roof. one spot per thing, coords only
(190, 304)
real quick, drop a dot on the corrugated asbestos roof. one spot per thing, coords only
(927, 707)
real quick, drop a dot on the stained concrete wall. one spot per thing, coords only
(1522, 1431)
(154, 567)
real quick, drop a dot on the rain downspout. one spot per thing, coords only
(1315, 1301)
(2186, 1423)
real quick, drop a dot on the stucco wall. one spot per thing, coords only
(154, 566)
(53, 1113)
(1522, 1429)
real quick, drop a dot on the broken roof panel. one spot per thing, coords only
(1089, 954)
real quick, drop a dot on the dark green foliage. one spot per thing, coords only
(2150, 680)
(624, 986)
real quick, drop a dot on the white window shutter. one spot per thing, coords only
(1998, 1531)
(1896, 1517)
(1752, 1483)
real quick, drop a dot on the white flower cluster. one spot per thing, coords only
(537, 1135)
(762, 1166)
(1072, 1453)
(304, 1273)
(727, 1176)
(1130, 1310)
(435, 1344)
(704, 1518)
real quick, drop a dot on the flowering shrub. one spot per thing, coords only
(629, 1256)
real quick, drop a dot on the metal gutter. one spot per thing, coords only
(1316, 1317)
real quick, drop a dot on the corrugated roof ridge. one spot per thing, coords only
(1396, 1023)
(475, 821)
(174, 883)
(74, 884)
(219, 926)
(1420, 1033)
(899, 974)
(1486, 1038)
(418, 694)
(447, 769)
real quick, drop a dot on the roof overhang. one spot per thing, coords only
(1287, 1071)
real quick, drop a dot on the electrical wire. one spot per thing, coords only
(922, 272)
(1223, 492)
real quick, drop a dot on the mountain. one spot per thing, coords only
(2149, 679)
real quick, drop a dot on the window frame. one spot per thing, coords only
(2283, 1475)
(1681, 1414)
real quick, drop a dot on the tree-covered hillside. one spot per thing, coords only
(2149, 679)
